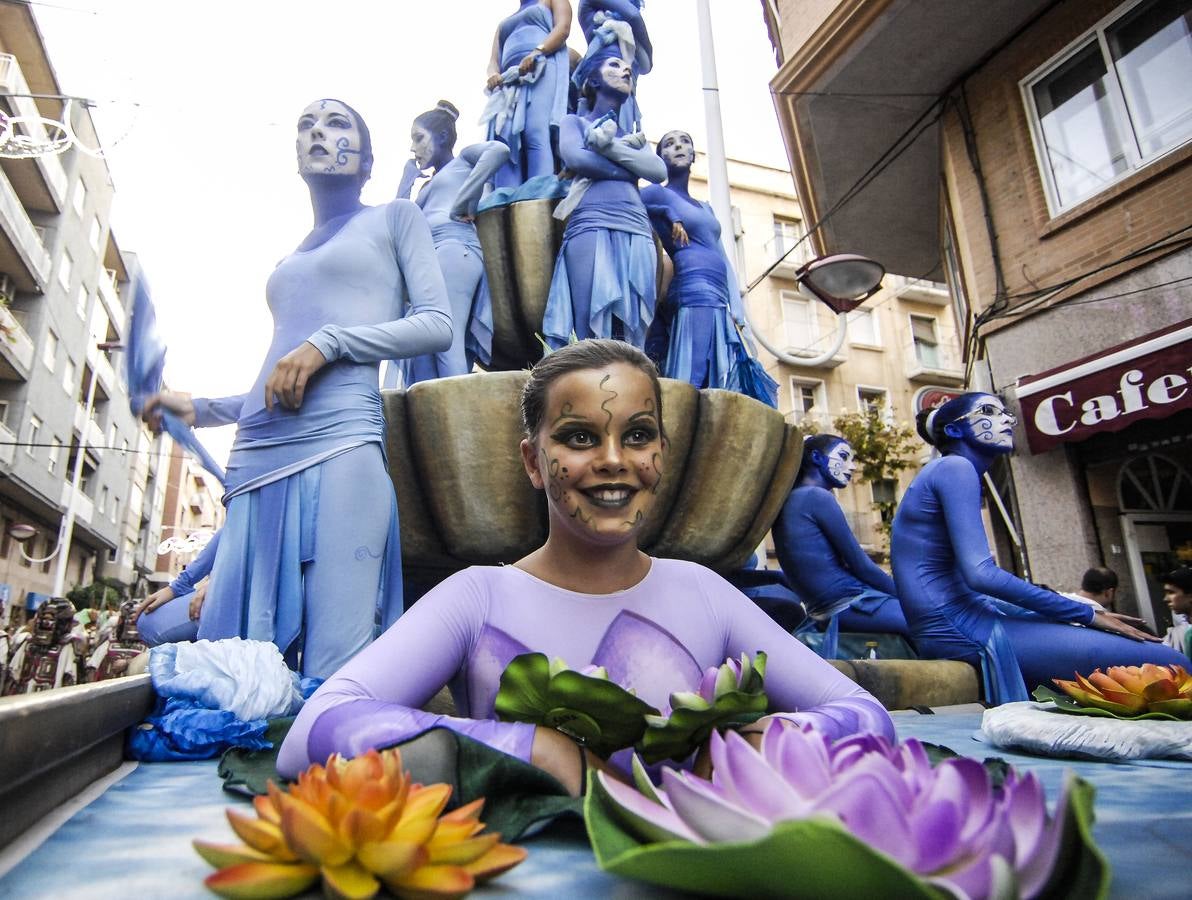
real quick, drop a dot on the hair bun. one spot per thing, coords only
(925, 425)
(448, 107)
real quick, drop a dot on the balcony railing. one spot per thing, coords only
(16, 347)
(109, 296)
(8, 445)
(812, 420)
(90, 429)
(934, 362)
(26, 241)
(918, 289)
(778, 245)
(84, 507)
(12, 83)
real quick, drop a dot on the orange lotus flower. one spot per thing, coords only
(1134, 690)
(358, 824)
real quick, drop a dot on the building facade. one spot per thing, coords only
(1037, 156)
(192, 513)
(64, 308)
(898, 347)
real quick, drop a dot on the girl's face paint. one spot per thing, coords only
(328, 140)
(988, 426)
(839, 464)
(599, 453)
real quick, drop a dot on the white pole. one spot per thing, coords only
(68, 518)
(717, 159)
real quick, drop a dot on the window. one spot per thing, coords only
(81, 301)
(787, 234)
(68, 377)
(80, 198)
(65, 265)
(49, 350)
(884, 493)
(102, 502)
(115, 508)
(871, 400)
(4, 412)
(926, 341)
(55, 455)
(32, 551)
(96, 234)
(807, 399)
(799, 326)
(862, 328)
(34, 430)
(5, 538)
(1116, 102)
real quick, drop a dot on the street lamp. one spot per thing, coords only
(842, 281)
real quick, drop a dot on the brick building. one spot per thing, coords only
(1036, 154)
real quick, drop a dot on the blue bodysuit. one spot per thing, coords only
(172, 622)
(608, 22)
(947, 581)
(703, 300)
(828, 569)
(455, 191)
(310, 544)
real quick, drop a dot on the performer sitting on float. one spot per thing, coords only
(310, 541)
(703, 301)
(527, 84)
(158, 621)
(621, 25)
(449, 203)
(595, 443)
(837, 582)
(947, 579)
(605, 273)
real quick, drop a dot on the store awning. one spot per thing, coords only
(1147, 378)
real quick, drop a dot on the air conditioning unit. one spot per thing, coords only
(7, 289)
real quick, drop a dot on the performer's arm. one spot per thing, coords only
(199, 568)
(425, 328)
(485, 159)
(830, 518)
(212, 411)
(641, 161)
(577, 158)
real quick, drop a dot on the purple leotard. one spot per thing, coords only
(655, 638)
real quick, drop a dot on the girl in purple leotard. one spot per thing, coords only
(595, 444)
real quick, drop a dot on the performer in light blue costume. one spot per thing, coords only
(527, 84)
(604, 279)
(703, 301)
(310, 543)
(161, 620)
(618, 24)
(449, 203)
(947, 579)
(837, 582)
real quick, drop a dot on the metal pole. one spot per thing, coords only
(717, 159)
(68, 518)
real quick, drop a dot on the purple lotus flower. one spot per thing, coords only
(947, 823)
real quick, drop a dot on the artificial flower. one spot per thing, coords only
(357, 824)
(584, 705)
(728, 696)
(1134, 690)
(803, 817)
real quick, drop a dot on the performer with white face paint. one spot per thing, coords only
(837, 582)
(310, 545)
(947, 579)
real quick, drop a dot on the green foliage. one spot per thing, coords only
(103, 593)
(883, 450)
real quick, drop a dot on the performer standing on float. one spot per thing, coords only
(527, 83)
(618, 24)
(595, 444)
(947, 579)
(604, 279)
(703, 303)
(449, 203)
(837, 582)
(310, 542)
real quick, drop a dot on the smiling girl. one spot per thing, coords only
(595, 444)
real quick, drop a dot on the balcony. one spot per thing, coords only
(934, 364)
(90, 430)
(22, 253)
(803, 346)
(8, 446)
(84, 508)
(40, 180)
(778, 245)
(102, 366)
(109, 296)
(812, 421)
(919, 290)
(16, 348)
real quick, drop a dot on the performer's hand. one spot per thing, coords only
(637, 140)
(412, 169)
(679, 235)
(179, 404)
(197, 598)
(527, 64)
(600, 137)
(1113, 623)
(153, 601)
(494, 81)
(287, 381)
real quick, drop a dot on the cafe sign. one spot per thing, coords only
(1148, 378)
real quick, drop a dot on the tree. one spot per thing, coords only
(883, 450)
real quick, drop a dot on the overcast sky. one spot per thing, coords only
(198, 103)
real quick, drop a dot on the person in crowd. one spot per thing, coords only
(1098, 588)
(449, 202)
(595, 444)
(949, 584)
(838, 583)
(310, 543)
(1177, 593)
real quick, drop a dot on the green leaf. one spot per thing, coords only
(1065, 704)
(1081, 869)
(687, 729)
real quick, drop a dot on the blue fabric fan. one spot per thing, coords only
(749, 377)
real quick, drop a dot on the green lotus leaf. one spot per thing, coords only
(1065, 704)
(814, 858)
(686, 729)
(597, 713)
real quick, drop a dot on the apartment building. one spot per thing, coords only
(900, 348)
(191, 514)
(64, 306)
(1036, 154)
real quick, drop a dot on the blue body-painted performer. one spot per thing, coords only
(703, 303)
(310, 543)
(947, 579)
(604, 279)
(161, 621)
(836, 580)
(449, 202)
(527, 84)
(618, 24)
